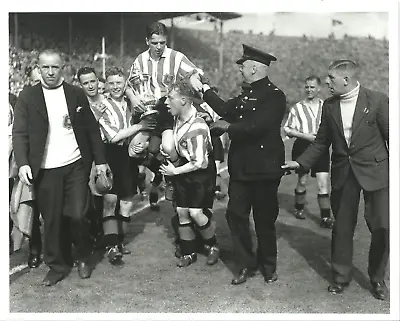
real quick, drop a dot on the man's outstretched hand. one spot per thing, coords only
(291, 165)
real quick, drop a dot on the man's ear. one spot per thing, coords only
(147, 41)
(346, 80)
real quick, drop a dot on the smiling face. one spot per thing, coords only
(89, 83)
(50, 65)
(115, 85)
(157, 44)
(312, 88)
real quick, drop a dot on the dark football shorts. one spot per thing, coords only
(124, 169)
(196, 189)
(321, 166)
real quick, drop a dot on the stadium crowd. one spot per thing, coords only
(182, 148)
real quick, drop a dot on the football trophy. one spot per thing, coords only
(139, 82)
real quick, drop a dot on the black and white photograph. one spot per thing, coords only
(202, 165)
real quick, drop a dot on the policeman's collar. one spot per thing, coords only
(260, 82)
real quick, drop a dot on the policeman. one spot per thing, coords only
(252, 121)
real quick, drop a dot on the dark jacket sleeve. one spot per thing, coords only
(383, 118)
(221, 107)
(20, 137)
(270, 112)
(93, 131)
(321, 143)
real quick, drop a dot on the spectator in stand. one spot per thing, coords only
(101, 85)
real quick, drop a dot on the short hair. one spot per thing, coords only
(113, 71)
(85, 71)
(157, 28)
(183, 88)
(313, 77)
(101, 79)
(51, 51)
(344, 66)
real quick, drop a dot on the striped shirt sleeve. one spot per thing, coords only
(292, 121)
(107, 127)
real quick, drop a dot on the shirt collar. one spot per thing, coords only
(45, 86)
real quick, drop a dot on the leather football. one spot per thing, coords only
(103, 182)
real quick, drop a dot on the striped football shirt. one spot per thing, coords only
(304, 118)
(117, 116)
(164, 71)
(193, 139)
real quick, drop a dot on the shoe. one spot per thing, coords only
(84, 270)
(153, 199)
(379, 290)
(299, 214)
(52, 278)
(113, 254)
(272, 278)
(244, 274)
(178, 252)
(326, 222)
(213, 255)
(34, 260)
(188, 259)
(337, 288)
(124, 250)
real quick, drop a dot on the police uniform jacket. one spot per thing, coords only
(367, 155)
(256, 151)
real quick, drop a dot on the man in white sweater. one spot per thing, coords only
(355, 121)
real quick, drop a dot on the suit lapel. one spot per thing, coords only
(360, 111)
(40, 103)
(70, 103)
(337, 115)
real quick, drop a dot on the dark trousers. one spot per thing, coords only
(62, 196)
(261, 196)
(345, 204)
(35, 241)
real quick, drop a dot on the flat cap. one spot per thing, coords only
(251, 53)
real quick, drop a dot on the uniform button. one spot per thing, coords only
(241, 106)
(262, 146)
(251, 90)
(254, 108)
(246, 97)
(241, 116)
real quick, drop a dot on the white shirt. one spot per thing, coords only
(61, 146)
(348, 103)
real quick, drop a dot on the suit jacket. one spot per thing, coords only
(31, 125)
(256, 151)
(368, 154)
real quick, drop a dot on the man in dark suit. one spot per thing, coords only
(252, 121)
(355, 121)
(56, 139)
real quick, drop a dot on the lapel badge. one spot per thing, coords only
(366, 110)
(67, 122)
(78, 109)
